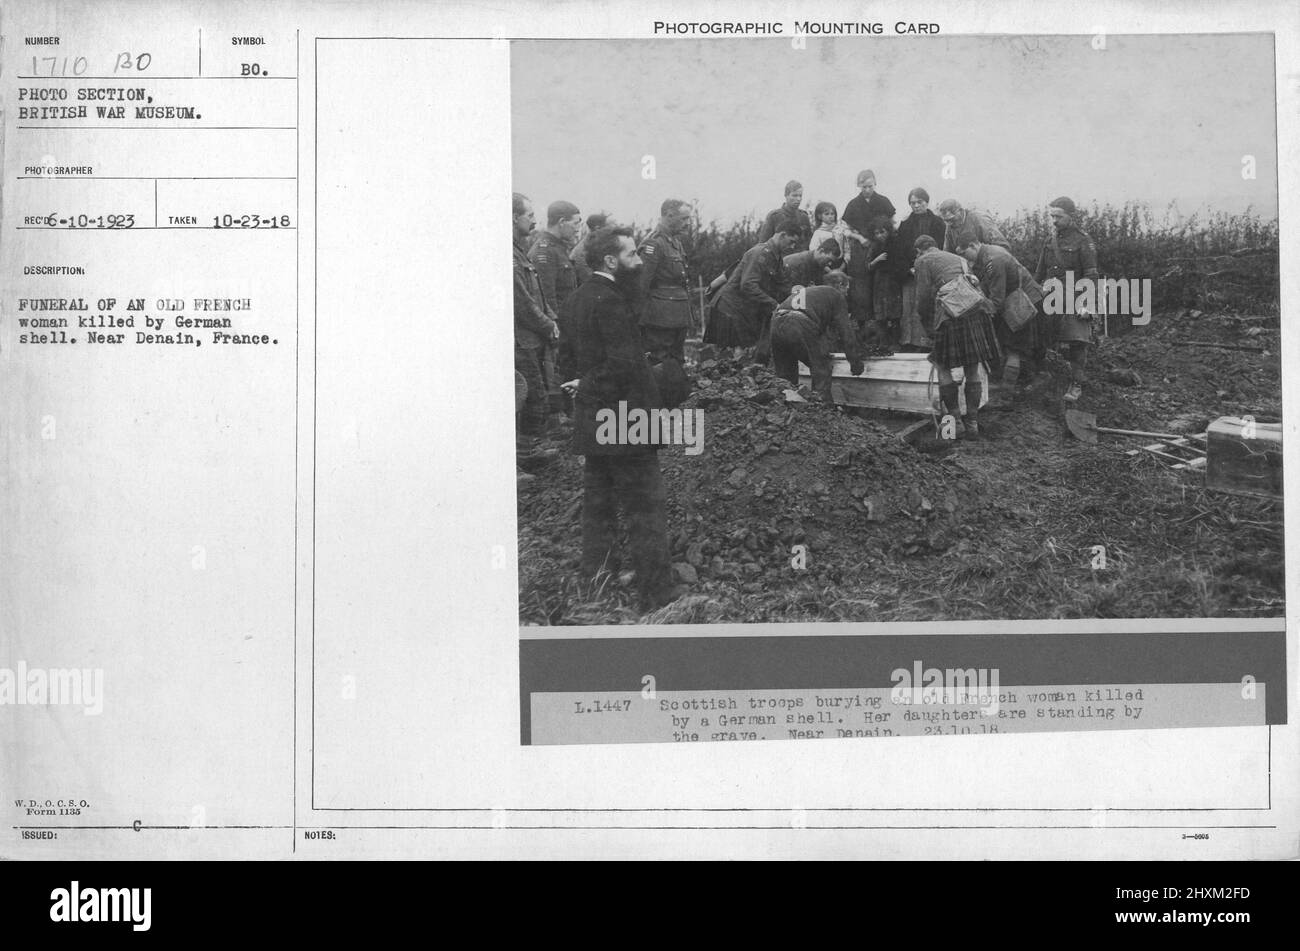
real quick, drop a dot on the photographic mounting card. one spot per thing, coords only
(283, 580)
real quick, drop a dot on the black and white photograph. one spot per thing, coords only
(883, 372)
(847, 327)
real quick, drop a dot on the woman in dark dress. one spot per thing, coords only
(864, 206)
(913, 335)
(883, 261)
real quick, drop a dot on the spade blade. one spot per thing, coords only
(1082, 426)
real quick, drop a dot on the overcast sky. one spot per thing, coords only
(1152, 118)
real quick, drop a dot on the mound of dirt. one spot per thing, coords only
(806, 511)
(797, 486)
(1184, 377)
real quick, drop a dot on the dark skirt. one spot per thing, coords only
(966, 340)
(729, 327)
(1070, 328)
(911, 330)
(1025, 340)
(714, 328)
(886, 296)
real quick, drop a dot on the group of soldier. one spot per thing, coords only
(603, 325)
(945, 284)
(602, 322)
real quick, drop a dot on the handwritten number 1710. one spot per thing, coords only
(77, 65)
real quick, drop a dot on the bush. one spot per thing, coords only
(1217, 262)
(712, 250)
(1214, 262)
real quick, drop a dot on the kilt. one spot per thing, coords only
(1072, 329)
(731, 327)
(966, 340)
(713, 323)
(1025, 340)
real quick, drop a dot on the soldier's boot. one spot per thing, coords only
(1033, 373)
(1039, 378)
(951, 404)
(1002, 383)
(821, 387)
(974, 396)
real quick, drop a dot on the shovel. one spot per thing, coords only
(1083, 426)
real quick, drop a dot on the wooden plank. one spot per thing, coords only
(1165, 455)
(900, 382)
(1182, 443)
(1179, 443)
(1157, 449)
(864, 391)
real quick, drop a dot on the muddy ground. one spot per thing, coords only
(1003, 527)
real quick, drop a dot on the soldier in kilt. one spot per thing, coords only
(965, 340)
(1001, 276)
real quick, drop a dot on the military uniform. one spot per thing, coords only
(665, 299)
(962, 341)
(975, 226)
(786, 215)
(750, 295)
(1069, 254)
(534, 326)
(802, 268)
(1000, 274)
(555, 270)
(559, 279)
(578, 256)
(804, 334)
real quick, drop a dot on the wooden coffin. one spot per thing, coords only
(901, 382)
(1244, 457)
